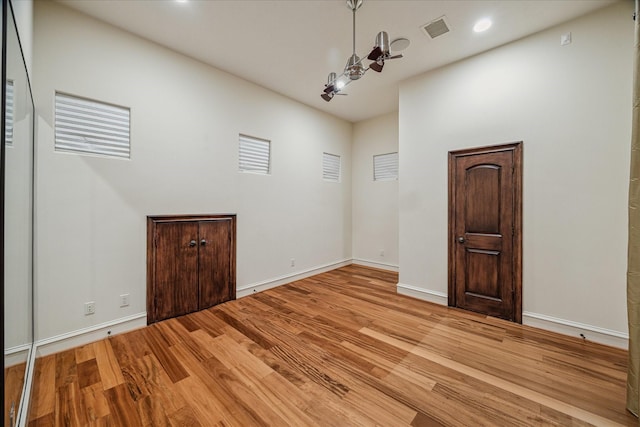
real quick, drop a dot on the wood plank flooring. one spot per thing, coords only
(13, 383)
(337, 349)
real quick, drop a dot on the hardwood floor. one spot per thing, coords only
(13, 382)
(337, 349)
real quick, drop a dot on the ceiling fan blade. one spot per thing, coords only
(329, 88)
(395, 56)
(377, 66)
(342, 94)
(375, 53)
(326, 96)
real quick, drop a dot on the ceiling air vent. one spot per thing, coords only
(436, 27)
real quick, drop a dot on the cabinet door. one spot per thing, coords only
(215, 262)
(176, 269)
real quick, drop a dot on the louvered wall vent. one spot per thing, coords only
(331, 167)
(254, 154)
(437, 27)
(86, 126)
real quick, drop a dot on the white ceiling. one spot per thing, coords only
(291, 46)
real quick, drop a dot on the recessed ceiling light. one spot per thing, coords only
(482, 25)
(182, 1)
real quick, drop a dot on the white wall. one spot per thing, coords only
(571, 105)
(374, 203)
(185, 121)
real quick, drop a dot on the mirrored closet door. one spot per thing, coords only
(17, 186)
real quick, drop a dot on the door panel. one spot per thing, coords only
(483, 277)
(483, 257)
(215, 262)
(482, 199)
(176, 269)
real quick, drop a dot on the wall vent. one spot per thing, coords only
(436, 27)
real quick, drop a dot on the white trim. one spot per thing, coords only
(283, 280)
(574, 329)
(435, 297)
(93, 333)
(17, 349)
(25, 399)
(376, 264)
(540, 321)
(15, 355)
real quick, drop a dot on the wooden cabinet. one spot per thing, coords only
(190, 263)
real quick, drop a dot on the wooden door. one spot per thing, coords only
(190, 263)
(176, 269)
(215, 262)
(485, 221)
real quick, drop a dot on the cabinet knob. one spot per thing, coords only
(203, 242)
(192, 243)
(461, 239)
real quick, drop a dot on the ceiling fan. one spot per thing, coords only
(355, 69)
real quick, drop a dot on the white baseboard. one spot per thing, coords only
(376, 264)
(16, 355)
(575, 329)
(423, 294)
(25, 398)
(283, 280)
(84, 336)
(541, 321)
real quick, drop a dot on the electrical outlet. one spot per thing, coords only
(124, 300)
(89, 308)
(293, 262)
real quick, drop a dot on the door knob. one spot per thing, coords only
(461, 239)
(203, 242)
(192, 243)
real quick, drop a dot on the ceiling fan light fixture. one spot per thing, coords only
(382, 42)
(354, 69)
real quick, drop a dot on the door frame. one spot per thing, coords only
(516, 148)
